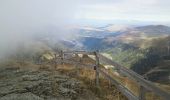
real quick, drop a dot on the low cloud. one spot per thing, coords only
(22, 20)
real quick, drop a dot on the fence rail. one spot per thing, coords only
(145, 85)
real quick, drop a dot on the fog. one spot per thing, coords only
(21, 20)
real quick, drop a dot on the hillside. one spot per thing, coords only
(25, 65)
(139, 48)
(45, 81)
(41, 85)
(48, 80)
(143, 36)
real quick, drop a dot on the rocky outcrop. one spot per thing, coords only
(40, 85)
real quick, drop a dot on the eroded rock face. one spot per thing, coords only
(39, 85)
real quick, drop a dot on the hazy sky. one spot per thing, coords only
(142, 10)
(36, 13)
(22, 19)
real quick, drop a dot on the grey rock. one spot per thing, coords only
(24, 96)
(67, 92)
(30, 78)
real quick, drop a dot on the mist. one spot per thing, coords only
(22, 20)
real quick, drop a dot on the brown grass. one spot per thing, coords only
(106, 91)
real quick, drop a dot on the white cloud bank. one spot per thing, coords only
(20, 20)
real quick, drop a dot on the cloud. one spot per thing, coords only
(150, 10)
(20, 20)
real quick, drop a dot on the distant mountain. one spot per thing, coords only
(106, 36)
(154, 30)
(137, 48)
(101, 32)
(115, 28)
(143, 36)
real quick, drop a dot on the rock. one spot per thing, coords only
(59, 98)
(69, 88)
(38, 85)
(60, 80)
(67, 92)
(61, 77)
(43, 89)
(24, 96)
(5, 90)
(30, 78)
(72, 84)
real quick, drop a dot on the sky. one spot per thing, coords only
(21, 20)
(63, 12)
(129, 10)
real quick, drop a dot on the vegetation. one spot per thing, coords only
(126, 57)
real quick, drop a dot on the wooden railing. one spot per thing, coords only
(145, 85)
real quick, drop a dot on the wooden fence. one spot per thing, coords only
(145, 85)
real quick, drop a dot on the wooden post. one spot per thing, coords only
(142, 93)
(118, 95)
(33, 60)
(55, 61)
(76, 66)
(168, 47)
(97, 68)
(62, 57)
(40, 62)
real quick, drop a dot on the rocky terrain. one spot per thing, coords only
(17, 84)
